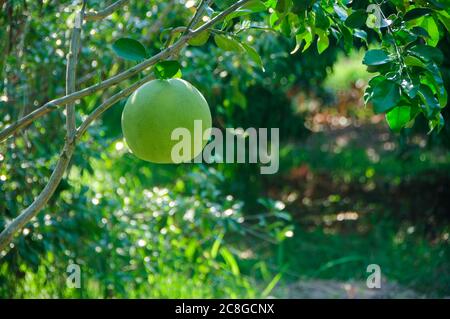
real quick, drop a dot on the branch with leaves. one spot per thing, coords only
(7, 235)
(164, 54)
(72, 59)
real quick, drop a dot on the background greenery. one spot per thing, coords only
(350, 191)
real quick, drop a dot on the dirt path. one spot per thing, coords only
(331, 289)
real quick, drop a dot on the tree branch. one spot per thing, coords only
(54, 104)
(72, 58)
(201, 8)
(99, 15)
(71, 71)
(26, 215)
(107, 104)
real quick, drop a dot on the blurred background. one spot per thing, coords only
(349, 192)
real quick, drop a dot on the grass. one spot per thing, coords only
(408, 259)
(364, 203)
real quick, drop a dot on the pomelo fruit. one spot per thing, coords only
(155, 110)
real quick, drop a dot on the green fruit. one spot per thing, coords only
(158, 107)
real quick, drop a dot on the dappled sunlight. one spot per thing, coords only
(362, 149)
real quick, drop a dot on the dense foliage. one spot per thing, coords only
(142, 230)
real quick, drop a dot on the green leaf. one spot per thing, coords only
(285, 26)
(398, 117)
(357, 19)
(405, 37)
(238, 13)
(283, 6)
(412, 61)
(271, 285)
(321, 20)
(322, 42)
(129, 49)
(444, 17)
(253, 6)
(411, 86)
(385, 95)
(361, 34)
(437, 122)
(440, 4)
(376, 57)
(223, 4)
(421, 32)
(190, 250)
(341, 12)
(253, 54)
(427, 53)
(369, 89)
(227, 43)
(215, 247)
(433, 78)
(308, 39)
(416, 13)
(348, 38)
(199, 39)
(270, 3)
(230, 260)
(431, 27)
(273, 19)
(167, 69)
(304, 36)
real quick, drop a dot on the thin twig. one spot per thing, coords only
(99, 15)
(200, 9)
(218, 17)
(108, 103)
